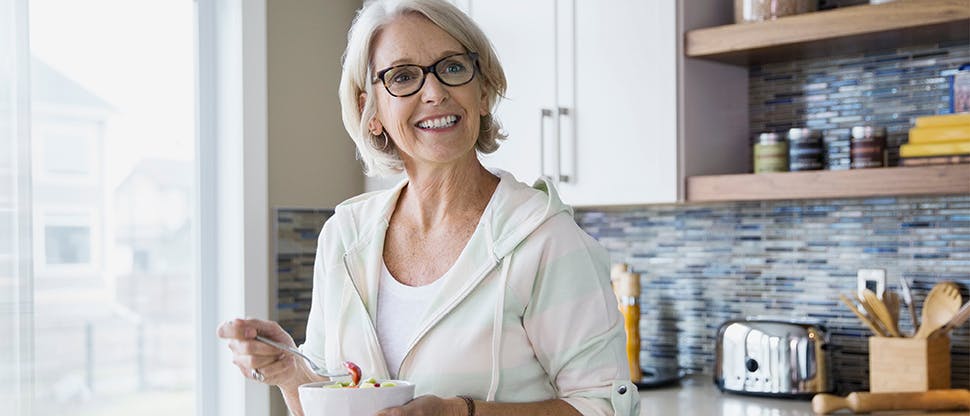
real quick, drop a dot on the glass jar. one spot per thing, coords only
(770, 153)
(868, 148)
(758, 10)
(837, 144)
(805, 150)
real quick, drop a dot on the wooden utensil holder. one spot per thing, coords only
(908, 364)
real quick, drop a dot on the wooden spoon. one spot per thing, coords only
(865, 320)
(892, 301)
(941, 304)
(880, 311)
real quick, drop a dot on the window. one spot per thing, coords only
(112, 138)
(67, 244)
(120, 79)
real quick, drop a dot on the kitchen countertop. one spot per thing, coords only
(696, 395)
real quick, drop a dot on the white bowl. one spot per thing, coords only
(318, 400)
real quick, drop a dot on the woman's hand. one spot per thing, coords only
(259, 361)
(428, 405)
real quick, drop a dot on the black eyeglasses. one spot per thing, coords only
(452, 70)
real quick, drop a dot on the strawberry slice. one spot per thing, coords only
(354, 373)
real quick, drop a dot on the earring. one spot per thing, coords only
(386, 141)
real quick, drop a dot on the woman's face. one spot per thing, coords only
(439, 124)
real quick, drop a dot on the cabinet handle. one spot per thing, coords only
(545, 112)
(559, 115)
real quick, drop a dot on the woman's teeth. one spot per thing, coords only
(438, 123)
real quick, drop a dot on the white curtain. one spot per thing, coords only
(15, 258)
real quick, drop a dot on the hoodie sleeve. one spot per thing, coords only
(314, 345)
(574, 325)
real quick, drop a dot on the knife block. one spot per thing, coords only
(908, 364)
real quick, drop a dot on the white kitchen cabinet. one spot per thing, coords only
(592, 95)
(524, 36)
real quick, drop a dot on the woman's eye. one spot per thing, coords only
(401, 78)
(454, 67)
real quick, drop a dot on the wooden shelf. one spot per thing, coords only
(840, 31)
(897, 181)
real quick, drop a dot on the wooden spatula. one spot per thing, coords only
(941, 305)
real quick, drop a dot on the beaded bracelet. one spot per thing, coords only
(470, 403)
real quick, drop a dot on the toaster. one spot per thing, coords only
(772, 358)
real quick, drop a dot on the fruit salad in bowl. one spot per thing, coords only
(354, 397)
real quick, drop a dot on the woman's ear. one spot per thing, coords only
(374, 126)
(484, 108)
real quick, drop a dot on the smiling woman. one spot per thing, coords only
(479, 290)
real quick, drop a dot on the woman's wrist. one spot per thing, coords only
(465, 406)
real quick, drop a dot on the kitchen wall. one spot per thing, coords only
(701, 265)
(312, 161)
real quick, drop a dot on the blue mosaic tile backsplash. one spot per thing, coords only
(701, 265)
(887, 88)
(296, 244)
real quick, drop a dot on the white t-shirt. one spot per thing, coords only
(399, 309)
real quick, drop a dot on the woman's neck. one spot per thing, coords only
(435, 196)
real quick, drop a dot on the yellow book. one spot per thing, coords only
(935, 149)
(943, 120)
(939, 134)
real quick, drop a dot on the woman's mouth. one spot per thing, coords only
(439, 123)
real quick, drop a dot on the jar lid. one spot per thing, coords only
(804, 134)
(862, 132)
(768, 138)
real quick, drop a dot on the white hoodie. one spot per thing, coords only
(526, 313)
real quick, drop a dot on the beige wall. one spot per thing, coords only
(311, 158)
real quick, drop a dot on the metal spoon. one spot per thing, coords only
(908, 298)
(313, 366)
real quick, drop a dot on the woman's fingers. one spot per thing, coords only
(257, 360)
(254, 361)
(237, 329)
(279, 371)
(244, 329)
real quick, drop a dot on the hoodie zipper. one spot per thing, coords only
(405, 363)
(370, 324)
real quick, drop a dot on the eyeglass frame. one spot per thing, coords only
(425, 70)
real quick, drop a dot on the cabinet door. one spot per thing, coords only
(523, 34)
(620, 140)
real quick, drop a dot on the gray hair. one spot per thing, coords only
(379, 157)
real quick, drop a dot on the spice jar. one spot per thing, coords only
(837, 144)
(759, 10)
(868, 147)
(770, 153)
(805, 149)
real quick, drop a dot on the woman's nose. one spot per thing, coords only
(433, 91)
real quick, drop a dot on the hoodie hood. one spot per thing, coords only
(514, 211)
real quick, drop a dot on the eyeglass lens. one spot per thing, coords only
(408, 79)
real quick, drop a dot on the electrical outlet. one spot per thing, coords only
(872, 279)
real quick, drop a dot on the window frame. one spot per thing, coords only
(232, 203)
